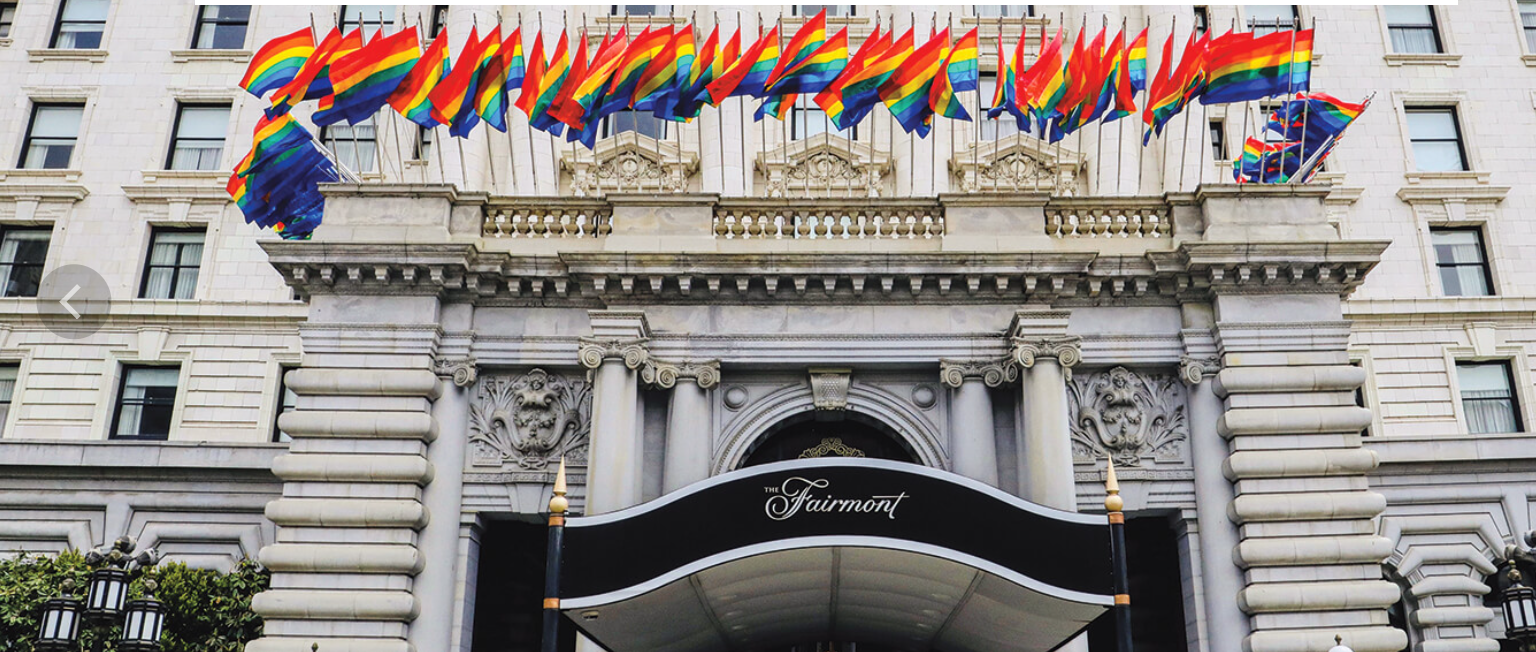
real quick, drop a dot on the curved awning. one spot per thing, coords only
(836, 549)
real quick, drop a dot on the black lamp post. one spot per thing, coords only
(1519, 611)
(106, 600)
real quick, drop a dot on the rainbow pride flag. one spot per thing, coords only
(1259, 67)
(714, 60)
(906, 92)
(452, 99)
(410, 97)
(277, 62)
(490, 100)
(588, 88)
(1048, 85)
(512, 59)
(365, 79)
(1313, 118)
(830, 99)
(803, 44)
(561, 68)
(960, 73)
(533, 76)
(749, 74)
(626, 78)
(1137, 62)
(813, 73)
(666, 76)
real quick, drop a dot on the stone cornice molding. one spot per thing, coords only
(1193, 369)
(463, 371)
(594, 351)
(666, 374)
(995, 373)
(1065, 349)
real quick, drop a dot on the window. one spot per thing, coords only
(1413, 29)
(1527, 22)
(145, 403)
(1268, 19)
(171, 270)
(51, 136)
(642, 122)
(1360, 398)
(1002, 11)
(353, 145)
(1218, 140)
(287, 401)
(372, 18)
(423, 144)
(439, 19)
(639, 10)
(221, 27)
(7, 18)
(1436, 137)
(808, 119)
(80, 25)
(1005, 125)
(1462, 263)
(1488, 397)
(1202, 20)
(7, 391)
(22, 252)
(197, 139)
(833, 11)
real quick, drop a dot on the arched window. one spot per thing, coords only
(808, 437)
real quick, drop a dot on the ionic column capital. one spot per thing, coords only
(463, 371)
(666, 374)
(994, 373)
(1193, 369)
(594, 351)
(1065, 349)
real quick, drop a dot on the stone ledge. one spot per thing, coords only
(50, 54)
(231, 56)
(1458, 448)
(144, 455)
(1436, 59)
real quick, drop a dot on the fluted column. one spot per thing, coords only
(972, 433)
(689, 421)
(1223, 580)
(1046, 450)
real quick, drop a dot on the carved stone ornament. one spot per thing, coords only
(630, 162)
(1193, 369)
(531, 420)
(1127, 416)
(831, 447)
(829, 388)
(1017, 164)
(666, 374)
(1066, 349)
(463, 371)
(593, 352)
(995, 373)
(824, 165)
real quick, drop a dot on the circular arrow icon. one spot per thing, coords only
(74, 302)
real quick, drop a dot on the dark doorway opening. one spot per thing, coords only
(1157, 590)
(509, 589)
(807, 436)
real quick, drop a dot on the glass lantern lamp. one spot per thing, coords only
(143, 620)
(108, 590)
(60, 624)
(1520, 611)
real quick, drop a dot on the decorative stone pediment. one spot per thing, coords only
(629, 162)
(179, 197)
(22, 201)
(1017, 163)
(1457, 201)
(530, 421)
(1127, 416)
(825, 165)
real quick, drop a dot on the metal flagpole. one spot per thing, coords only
(378, 148)
(554, 142)
(533, 165)
(1098, 129)
(1306, 107)
(1146, 106)
(746, 133)
(489, 155)
(553, 553)
(437, 143)
(933, 147)
(1290, 87)
(1114, 505)
(506, 103)
(394, 124)
(762, 129)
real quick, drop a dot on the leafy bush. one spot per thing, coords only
(206, 611)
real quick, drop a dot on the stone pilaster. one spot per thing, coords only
(352, 513)
(1047, 355)
(1226, 624)
(615, 351)
(689, 421)
(973, 435)
(444, 500)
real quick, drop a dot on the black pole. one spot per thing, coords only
(557, 506)
(1114, 504)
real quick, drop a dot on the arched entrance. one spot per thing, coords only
(806, 437)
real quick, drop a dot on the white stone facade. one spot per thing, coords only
(679, 298)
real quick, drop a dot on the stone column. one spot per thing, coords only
(1223, 580)
(443, 498)
(615, 351)
(689, 420)
(972, 433)
(1045, 454)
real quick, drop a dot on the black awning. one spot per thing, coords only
(836, 549)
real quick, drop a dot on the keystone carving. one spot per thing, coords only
(462, 371)
(531, 420)
(1127, 416)
(1066, 349)
(1193, 370)
(666, 374)
(995, 373)
(829, 388)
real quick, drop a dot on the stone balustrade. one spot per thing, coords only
(1109, 217)
(547, 218)
(829, 219)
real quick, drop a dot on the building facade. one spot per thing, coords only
(1317, 396)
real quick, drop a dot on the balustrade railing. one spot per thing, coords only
(548, 218)
(1107, 217)
(886, 219)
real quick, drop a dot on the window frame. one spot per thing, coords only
(606, 128)
(176, 267)
(1484, 263)
(1029, 12)
(200, 21)
(986, 87)
(326, 139)
(181, 107)
(1434, 28)
(853, 12)
(9, 403)
(1295, 24)
(8, 26)
(58, 27)
(281, 405)
(1527, 33)
(425, 140)
(1202, 19)
(1512, 380)
(613, 10)
(6, 229)
(364, 23)
(27, 137)
(1461, 137)
(439, 20)
(122, 390)
(1217, 135)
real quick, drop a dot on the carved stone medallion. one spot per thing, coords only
(530, 421)
(1127, 416)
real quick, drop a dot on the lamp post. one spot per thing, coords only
(115, 568)
(1519, 610)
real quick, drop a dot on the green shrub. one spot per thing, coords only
(206, 611)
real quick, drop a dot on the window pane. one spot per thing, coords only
(239, 13)
(1458, 246)
(1414, 40)
(368, 17)
(57, 121)
(7, 18)
(7, 385)
(994, 11)
(140, 379)
(1487, 397)
(641, 10)
(1408, 15)
(1438, 157)
(22, 254)
(832, 10)
(86, 10)
(1431, 125)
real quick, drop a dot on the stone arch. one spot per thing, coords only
(898, 415)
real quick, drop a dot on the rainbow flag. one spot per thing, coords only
(813, 73)
(806, 40)
(1313, 118)
(490, 85)
(749, 74)
(862, 93)
(1193, 76)
(452, 102)
(365, 79)
(1120, 78)
(706, 70)
(906, 92)
(533, 77)
(290, 94)
(1137, 62)
(1048, 84)
(830, 99)
(277, 62)
(271, 138)
(319, 85)
(1263, 162)
(626, 78)
(512, 59)
(587, 90)
(410, 97)
(667, 75)
(556, 91)
(1256, 68)
(960, 73)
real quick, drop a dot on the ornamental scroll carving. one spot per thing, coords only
(1065, 349)
(824, 165)
(666, 374)
(1016, 164)
(1128, 416)
(1193, 369)
(630, 162)
(531, 420)
(995, 373)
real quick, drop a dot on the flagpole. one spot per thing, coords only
(746, 131)
(437, 143)
(533, 165)
(378, 148)
(489, 155)
(1306, 107)
(394, 126)
(1098, 129)
(933, 148)
(506, 103)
